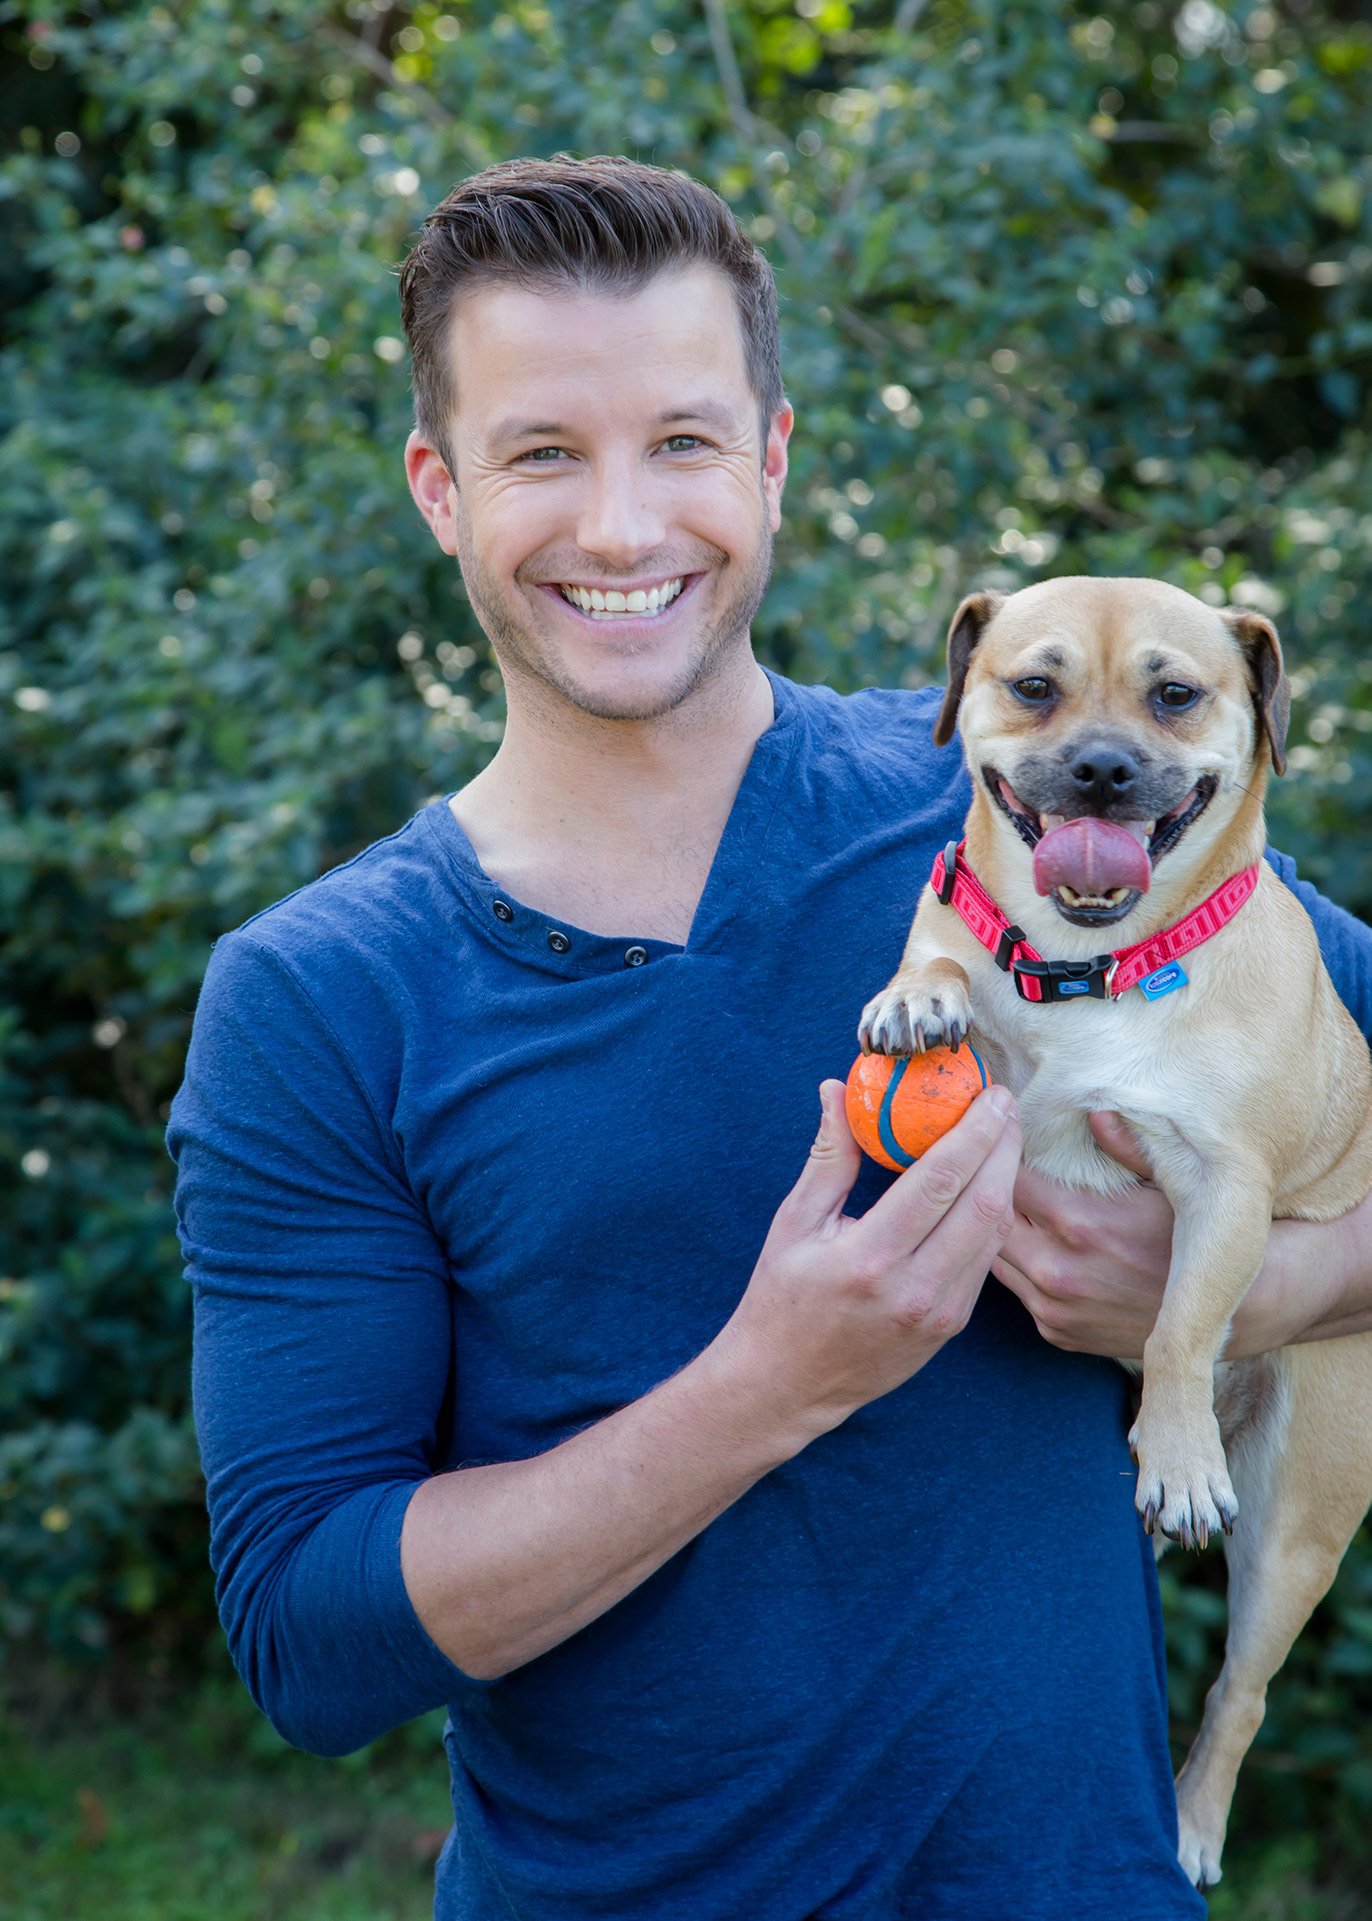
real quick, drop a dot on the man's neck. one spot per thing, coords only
(613, 825)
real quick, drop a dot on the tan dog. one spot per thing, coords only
(1119, 735)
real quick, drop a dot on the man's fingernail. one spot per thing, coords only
(999, 1099)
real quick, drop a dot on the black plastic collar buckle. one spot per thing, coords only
(1067, 980)
(1010, 939)
(950, 872)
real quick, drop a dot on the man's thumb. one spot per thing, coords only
(1117, 1137)
(832, 1167)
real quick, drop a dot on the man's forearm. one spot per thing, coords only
(503, 1562)
(1315, 1284)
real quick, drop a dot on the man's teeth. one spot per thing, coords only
(611, 604)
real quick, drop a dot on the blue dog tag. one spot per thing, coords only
(1163, 981)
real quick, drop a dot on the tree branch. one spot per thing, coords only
(375, 61)
(745, 126)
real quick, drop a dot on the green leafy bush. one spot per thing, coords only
(1065, 289)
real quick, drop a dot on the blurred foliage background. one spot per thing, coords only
(1066, 288)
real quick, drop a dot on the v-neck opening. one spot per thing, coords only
(559, 945)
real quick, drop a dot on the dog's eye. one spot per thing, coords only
(1033, 687)
(1176, 695)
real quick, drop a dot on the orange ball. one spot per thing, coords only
(897, 1109)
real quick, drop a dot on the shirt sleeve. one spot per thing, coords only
(1345, 942)
(322, 1359)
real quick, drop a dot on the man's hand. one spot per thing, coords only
(840, 1311)
(1092, 1270)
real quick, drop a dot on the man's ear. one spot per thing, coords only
(774, 461)
(432, 488)
(970, 621)
(1271, 689)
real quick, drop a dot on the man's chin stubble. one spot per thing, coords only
(516, 661)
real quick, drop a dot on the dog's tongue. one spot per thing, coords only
(1091, 857)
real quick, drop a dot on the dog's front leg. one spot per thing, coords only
(927, 1003)
(1224, 1214)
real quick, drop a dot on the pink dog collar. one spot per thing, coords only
(1105, 977)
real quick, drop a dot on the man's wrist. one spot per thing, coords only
(748, 1393)
(1315, 1284)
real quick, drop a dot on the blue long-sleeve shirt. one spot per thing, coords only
(455, 1180)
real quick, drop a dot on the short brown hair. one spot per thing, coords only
(604, 224)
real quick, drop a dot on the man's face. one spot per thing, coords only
(612, 504)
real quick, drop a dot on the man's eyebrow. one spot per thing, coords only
(513, 428)
(709, 411)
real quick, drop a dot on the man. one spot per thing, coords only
(529, 1377)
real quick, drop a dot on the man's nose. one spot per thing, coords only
(619, 519)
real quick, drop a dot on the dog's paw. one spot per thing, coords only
(1184, 1490)
(899, 1022)
(1199, 1843)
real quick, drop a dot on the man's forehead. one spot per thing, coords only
(678, 333)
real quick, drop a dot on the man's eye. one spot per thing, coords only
(1177, 695)
(683, 443)
(1033, 688)
(544, 456)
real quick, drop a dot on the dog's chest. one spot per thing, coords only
(1064, 1060)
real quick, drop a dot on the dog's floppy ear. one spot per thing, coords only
(969, 623)
(1271, 689)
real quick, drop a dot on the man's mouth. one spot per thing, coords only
(614, 603)
(1106, 897)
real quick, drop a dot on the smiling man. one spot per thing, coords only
(530, 1378)
(624, 586)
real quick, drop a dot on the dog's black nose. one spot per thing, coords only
(1102, 771)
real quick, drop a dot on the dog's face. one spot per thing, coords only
(1126, 706)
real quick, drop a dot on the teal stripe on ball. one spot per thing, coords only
(885, 1131)
(884, 1128)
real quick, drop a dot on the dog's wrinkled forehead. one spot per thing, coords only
(1105, 643)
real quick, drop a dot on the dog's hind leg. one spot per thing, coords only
(1303, 1467)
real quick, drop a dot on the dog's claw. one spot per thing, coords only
(1192, 1515)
